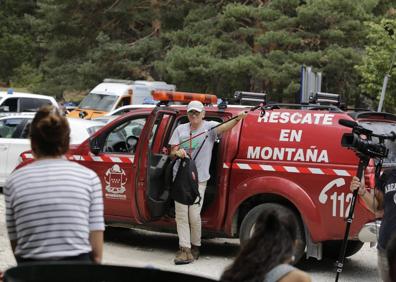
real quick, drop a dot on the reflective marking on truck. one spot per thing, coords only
(103, 158)
(116, 160)
(340, 172)
(243, 166)
(267, 167)
(291, 169)
(316, 170)
(97, 159)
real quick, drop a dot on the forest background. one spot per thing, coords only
(64, 48)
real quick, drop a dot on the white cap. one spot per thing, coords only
(195, 106)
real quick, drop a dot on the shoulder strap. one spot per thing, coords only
(200, 147)
(278, 272)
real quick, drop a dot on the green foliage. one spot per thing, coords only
(16, 41)
(377, 62)
(58, 46)
(27, 76)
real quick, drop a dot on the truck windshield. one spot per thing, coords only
(383, 128)
(99, 102)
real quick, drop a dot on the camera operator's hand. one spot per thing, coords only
(357, 184)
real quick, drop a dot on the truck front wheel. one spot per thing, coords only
(248, 225)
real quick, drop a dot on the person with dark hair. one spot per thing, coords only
(54, 207)
(269, 252)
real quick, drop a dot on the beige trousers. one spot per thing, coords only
(188, 221)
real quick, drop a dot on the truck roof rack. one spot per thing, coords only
(323, 98)
(112, 80)
(250, 98)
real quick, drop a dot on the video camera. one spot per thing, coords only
(360, 140)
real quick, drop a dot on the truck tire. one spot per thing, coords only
(331, 249)
(248, 223)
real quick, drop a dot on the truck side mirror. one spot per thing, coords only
(94, 145)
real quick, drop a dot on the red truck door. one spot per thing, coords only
(152, 199)
(113, 155)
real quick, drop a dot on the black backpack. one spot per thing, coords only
(184, 187)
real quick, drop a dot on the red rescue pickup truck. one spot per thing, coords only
(291, 158)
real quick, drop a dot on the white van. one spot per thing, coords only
(114, 93)
(12, 103)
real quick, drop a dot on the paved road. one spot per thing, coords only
(142, 248)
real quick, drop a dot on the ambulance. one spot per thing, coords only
(287, 156)
(114, 93)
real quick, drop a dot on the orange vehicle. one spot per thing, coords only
(114, 93)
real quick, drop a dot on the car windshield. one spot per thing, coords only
(383, 128)
(100, 102)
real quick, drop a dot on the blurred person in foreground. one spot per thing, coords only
(391, 256)
(381, 201)
(268, 254)
(54, 207)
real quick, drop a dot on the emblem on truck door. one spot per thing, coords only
(115, 179)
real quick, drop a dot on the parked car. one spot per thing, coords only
(14, 103)
(14, 140)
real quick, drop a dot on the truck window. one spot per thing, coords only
(124, 138)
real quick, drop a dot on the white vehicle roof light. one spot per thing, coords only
(112, 80)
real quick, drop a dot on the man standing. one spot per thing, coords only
(188, 218)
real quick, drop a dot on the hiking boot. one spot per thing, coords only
(183, 256)
(195, 251)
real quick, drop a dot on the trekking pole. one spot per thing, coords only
(363, 162)
(259, 106)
